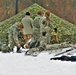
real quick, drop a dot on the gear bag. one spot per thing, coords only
(33, 44)
(36, 22)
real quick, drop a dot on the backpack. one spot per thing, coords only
(36, 22)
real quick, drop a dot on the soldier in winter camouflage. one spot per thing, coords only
(13, 35)
(36, 25)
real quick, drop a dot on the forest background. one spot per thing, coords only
(65, 9)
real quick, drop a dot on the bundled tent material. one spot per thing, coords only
(65, 58)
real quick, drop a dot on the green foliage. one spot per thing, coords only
(66, 30)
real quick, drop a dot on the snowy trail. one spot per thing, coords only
(19, 64)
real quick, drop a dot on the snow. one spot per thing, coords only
(19, 64)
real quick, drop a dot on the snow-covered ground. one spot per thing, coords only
(19, 64)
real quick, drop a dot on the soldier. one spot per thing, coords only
(27, 30)
(36, 27)
(48, 26)
(13, 35)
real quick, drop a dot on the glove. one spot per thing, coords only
(43, 33)
(18, 47)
